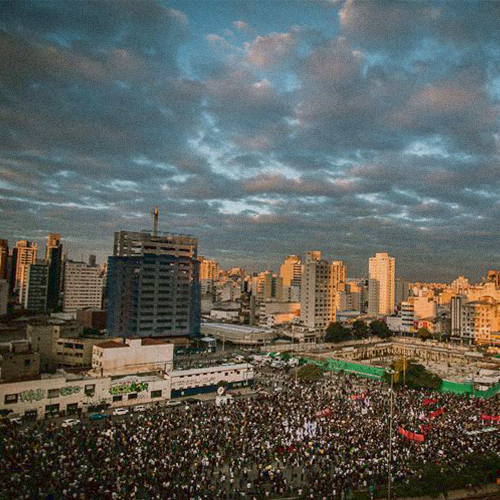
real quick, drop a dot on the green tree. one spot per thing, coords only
(336, 332)
(417, 376)
(360, 329)
(380, 329)
(310, 372)
(424, 334)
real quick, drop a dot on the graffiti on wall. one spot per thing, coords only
(128, 387)
(67, 391)
(32, 395)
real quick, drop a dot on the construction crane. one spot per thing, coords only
(154, 213)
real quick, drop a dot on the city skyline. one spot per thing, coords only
(344, 126)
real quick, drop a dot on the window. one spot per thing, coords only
(68, 345)
(52, 408)
(10, 399)
(117, 398)
(78, 346)
(90, 390)
(133, 395)
(53, 393)
(156, 394)
(27, 362)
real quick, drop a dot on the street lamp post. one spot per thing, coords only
(391, 372)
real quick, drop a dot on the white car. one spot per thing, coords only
(70, 422)
(173, 403)
(140, 408)
(120, 411)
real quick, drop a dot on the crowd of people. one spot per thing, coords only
(292, 439)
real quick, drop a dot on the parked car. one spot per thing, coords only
(98, 416)
(70, 422)
(224, 400)
(140, 408)
(120, 411)
(173, 403)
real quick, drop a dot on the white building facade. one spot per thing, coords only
(83, 286)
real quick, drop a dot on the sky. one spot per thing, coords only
(264, 128)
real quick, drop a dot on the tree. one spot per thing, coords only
(310, 372)
(417, 376)
(337, 333)
(424, 334)
(380, 329)
(360, 329)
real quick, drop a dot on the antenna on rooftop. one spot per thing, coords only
(154, 213)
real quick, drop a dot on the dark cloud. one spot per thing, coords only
(381, 135)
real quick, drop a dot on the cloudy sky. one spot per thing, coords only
(262, 127)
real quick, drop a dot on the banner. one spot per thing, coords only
(428, 401)
(411, 435)
(491, 418)
(323, 413)
(436, 413)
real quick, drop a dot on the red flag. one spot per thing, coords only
(436, 413)
(428, 401)
(411, 435)
(491, 418)
(323, 413)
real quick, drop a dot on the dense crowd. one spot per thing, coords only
(270, 445)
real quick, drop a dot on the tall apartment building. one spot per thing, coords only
(33, 294)
(476, 321)
(291, 276)
(53, 257)
(456, 303)
(291, 270)
(24, 253)
(153, 285)
(83, 286)
(4, 255)
(401, 291)
(209, 274)
(320, 283)
(381, 284)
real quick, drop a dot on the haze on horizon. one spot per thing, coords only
(263, 128)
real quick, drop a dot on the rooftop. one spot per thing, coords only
(151, 341)
(111, 344)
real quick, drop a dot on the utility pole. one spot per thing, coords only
(391, 405)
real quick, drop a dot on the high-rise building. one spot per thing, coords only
(381, 284)
(318, 302)
(24, 253)
(291, 270)
(153, 285)
(53, 257)
(291, 276)
(209, 274)
(4, 255)
(401, 291)
(4, 297)
(34, 289)
(82, 286)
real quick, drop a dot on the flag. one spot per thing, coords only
(428, 401)
(411, 435)
(491, 418)
(436, 413)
